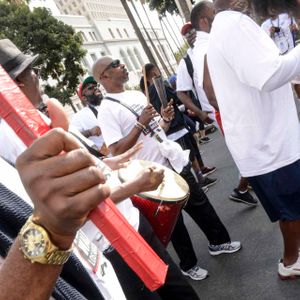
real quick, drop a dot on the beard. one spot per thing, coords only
(94, 100)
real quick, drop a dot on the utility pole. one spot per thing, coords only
(138, 33)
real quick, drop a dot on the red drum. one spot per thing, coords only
(162, 206)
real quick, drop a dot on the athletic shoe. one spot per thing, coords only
(208, 170)
(224, 248)
(205, 140)
(246, 198)
(205, 189)
(196, 273)
(291, 272)
(209, 182)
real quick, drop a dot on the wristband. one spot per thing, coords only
(140, 125)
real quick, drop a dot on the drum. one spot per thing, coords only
(162, 206)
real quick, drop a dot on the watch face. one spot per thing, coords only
(34, 243)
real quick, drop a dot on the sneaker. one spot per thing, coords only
(205, 140)
(224, 248)
(208, 170)
(205, 189)
(196, 273)
(291, 272)
(246, 198)
(209, 182)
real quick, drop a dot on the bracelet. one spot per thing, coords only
(140, 125)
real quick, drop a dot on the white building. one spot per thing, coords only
(106, 30)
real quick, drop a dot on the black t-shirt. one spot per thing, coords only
(178, 122)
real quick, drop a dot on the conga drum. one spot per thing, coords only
(162, 206)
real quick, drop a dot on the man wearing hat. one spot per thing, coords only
(85, 121)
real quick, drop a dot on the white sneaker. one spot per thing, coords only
(224, 248)
(290, 272)
(196, 273)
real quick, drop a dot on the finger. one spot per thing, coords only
(78, 182)
(57, 114)
(85, 201)
(67, 163)
(51, 144)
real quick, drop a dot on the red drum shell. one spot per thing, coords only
(161, 215)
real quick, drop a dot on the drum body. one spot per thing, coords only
(161, 215)
(162, 206)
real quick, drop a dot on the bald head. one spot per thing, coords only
(100, 66)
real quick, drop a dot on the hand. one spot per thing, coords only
(203, 115)
(168, 112)
(95, 131)
(149, 179)
(57, 114)
(119, 161)
(63, 184)
(191, 113)
(147, 115)
(272, 30)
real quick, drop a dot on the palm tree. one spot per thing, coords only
(151, 42)
(156, 36)
(138, 33)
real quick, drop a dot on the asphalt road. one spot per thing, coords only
(251, 273)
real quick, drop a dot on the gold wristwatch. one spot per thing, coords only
(37, 246)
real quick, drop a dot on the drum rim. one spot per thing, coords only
(158, 198)
(163, 200)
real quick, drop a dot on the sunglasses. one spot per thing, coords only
(37, 70)
(113, 65)
(93, 87)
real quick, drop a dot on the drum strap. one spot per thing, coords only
(137, 116)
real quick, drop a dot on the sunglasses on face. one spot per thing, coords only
(113, 65)
(93, 87)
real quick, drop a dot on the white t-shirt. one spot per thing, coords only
(116, 122)
(98, 267)
(85, 120)
(184, 81)
(125, 207)
(284, 38)
(261, 128)
(199, 52)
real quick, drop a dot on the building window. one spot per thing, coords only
(93, 56)
(126, 32)
(102, 53)
(138, 55)
(126, 60)
(111, 33)
(119, 32)
(83, 36)
(78, 106)
(93, 33)
(133, 59)
(92, 37)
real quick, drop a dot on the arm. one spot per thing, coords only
(130, 140)
(288, 67)
(95, 131)
(147, 180)
(64, 189)
(208, 87)
(21, 279)
(188, 103)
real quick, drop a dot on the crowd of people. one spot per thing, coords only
(235, 75)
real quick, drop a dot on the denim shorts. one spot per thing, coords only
(279, 192)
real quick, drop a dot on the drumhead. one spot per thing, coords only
(173, 188)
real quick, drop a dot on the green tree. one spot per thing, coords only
(58, 46)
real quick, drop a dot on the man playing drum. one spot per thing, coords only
(122, 129)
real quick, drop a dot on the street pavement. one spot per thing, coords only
(251, 273)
